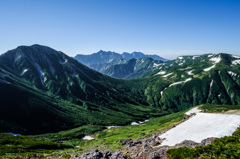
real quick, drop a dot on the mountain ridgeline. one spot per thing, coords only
(133, 68)
(44, 90)
(125, 65)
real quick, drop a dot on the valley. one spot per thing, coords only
(77, 109)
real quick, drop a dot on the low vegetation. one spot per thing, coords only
(16, 146)
(214, 108)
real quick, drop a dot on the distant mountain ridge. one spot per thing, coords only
(108, 56)
(118, 65)
(133, 68)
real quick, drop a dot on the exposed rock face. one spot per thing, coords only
(149, 148)
(101, 155)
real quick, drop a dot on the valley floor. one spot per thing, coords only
(154, 138)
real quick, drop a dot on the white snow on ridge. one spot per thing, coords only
(156, 65)
(189, 79)
(109, 127)
(208, 69)
(235, 62)
(202, 126)
(216, 59)
(24, 71)
(180, 57)
(194, 57)
(190, 72)
(210, 55)
(237, 57)
(160, 73)
(211, 83)
(167, 75)
(87, 137)
(231, 73)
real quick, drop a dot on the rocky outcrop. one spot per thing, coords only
(101, 155)
(150, 148)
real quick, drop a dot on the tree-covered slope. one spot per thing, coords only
(43, 90)
(214, 79)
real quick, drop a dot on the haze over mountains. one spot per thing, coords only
(54, 92)
(125, 65)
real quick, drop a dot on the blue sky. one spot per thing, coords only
(169, 28)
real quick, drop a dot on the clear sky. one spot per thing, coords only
(169, 28)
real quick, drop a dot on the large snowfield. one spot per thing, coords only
(202, 126)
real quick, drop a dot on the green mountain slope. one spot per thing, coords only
(44, 90)
(214, 79)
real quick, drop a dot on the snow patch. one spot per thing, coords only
(139, 122)
(162, 92)
(231, 73)
(237, 57)
(109, 127)
(156, 65)
(210, 55)
(167, 75)
(180, 57)
(202, 126)
(24, 71)
(215, 59)
(161, 73)
(134, 123)
(235, 62)
(194, 57)
(190, 72)
(189, 79)
(208, 69)
(87, 137)
(211, 83)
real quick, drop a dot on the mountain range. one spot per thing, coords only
(125, 65)
(44, 90)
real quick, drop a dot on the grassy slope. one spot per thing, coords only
(108, 139)
(16, 146)
(210, 108)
